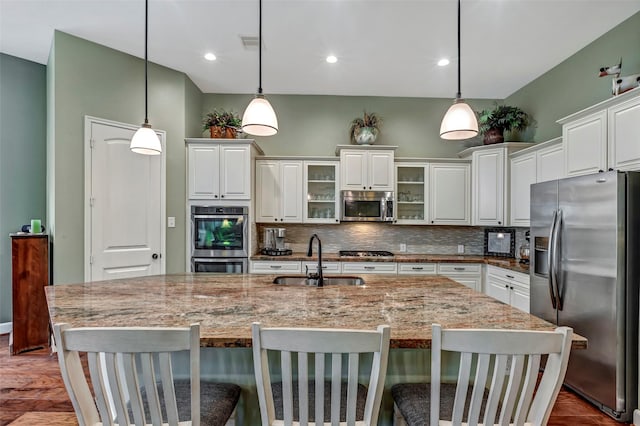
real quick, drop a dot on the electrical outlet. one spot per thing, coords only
(460, 248)
(403, 247)
(171, 222)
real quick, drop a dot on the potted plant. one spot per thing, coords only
(493, 123)
(221, 124)
(364, 131)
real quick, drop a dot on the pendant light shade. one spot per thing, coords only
(259, 119)
(460, 121)
(145, 140)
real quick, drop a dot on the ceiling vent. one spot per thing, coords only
(250, 42)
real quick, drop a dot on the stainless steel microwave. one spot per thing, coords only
(367, 206)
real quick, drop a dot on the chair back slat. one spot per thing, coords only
(287, 392)
(336, 387)
(319, 378)
(340, 345)
(121, 365)
(482, 371)
(516, 358)
(303, 387)
(531, 377)
(352, 387)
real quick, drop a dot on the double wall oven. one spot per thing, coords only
(219, 239)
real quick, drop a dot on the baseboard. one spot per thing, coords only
(6, 327)
(636, 417)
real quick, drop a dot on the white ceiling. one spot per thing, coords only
(384, 47)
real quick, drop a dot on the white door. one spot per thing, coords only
(381, 171)
(449, 194)
(267, 191)
(354, 167)
(235, 172)
(488, 187)
(125, 204)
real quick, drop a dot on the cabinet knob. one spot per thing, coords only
(155, 256)
(511, 288)
(337, 220)
(215, 196)
(506, 286)
(364, 187)
(222, 196)
(499, 223)
(431, 221)
(610, 169)
(281, 220)
(600, 171)
(276, 219)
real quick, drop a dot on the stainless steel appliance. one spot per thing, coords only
(274, 242)
(367, 206)
(219, 239)
(585, 242)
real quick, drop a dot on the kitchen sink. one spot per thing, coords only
(303, 280)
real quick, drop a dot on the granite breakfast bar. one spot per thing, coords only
(226, 305)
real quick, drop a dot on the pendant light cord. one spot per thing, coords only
(146, 34)
(459, 94)
(260, 47)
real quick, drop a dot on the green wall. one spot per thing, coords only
(314, 125)
(90, 79)
(22, 158)
(574, 84)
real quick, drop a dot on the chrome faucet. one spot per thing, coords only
(317, 276)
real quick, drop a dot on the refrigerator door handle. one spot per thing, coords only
(556, 258)
(551, 258)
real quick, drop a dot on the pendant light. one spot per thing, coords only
(145, 140)
(259, 118)
(460, 121)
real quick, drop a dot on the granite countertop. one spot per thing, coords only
(502, 262)
(226, 305)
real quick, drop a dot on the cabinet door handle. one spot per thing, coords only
(506, 286)
(509, 276)
(275, 266)
(417, 268)
(215, 196)
(369, 268)
(459, 269)
(511, 288)
(222, 196)
(499, 223)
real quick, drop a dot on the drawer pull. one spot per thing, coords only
(417, 268)
(509, 276)
(459, 268)
(275, 266)
(370, 268)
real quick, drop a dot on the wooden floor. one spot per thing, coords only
(31, 382)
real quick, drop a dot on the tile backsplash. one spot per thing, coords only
(382, 236)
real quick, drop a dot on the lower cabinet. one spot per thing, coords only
(468, 274)
(327, 267)
(275, 267)
(508, 287)
(417, 268)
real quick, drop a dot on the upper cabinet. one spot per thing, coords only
(367, 168)
(411, 193)
(550, 160)
(220, 168)
(449, 194)
(489, 193)
(279, 191)
(321, 192)
(604, 136)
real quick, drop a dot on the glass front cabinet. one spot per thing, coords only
(411, 193)
(322, 192)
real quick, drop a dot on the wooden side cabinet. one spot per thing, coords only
(30, 274)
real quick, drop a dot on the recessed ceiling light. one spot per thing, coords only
(443, 62)
(210, 57)
(332, 59)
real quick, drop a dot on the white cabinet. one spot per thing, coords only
(327, 267)
(523, 174)
(279, 191)
(449, 194)
(363, 169)
(417, 268)
(218, 170)
(412, 193)
(468, 274)
(275, 267)
(550, 161)
(585, 144)
(488, 191)
(624, 135)
(369, 268)
(508, 287)
(321, 192)
(603, 136)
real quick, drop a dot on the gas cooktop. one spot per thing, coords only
(365, 253)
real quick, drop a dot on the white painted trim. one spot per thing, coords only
(6, 327)
(636, 417)
(162, 135)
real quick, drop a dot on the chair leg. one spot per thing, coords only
(398, 419)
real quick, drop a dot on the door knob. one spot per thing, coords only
(155, 256)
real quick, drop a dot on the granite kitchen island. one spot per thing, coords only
(226, 305)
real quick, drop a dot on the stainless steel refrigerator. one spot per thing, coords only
(585, 263)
